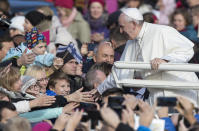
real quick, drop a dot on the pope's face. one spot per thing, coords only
(127, 28)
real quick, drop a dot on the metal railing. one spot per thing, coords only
(160, 84)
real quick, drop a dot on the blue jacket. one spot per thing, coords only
(169, 126)
(40, 115)
(143, 128)
(42, 60)
(190, 33)
(50, 93)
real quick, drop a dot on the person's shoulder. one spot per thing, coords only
(79, 20)
(162, 28)
(79, 17)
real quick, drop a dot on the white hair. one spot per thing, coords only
(95, 51)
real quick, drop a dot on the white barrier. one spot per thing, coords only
(156, 83)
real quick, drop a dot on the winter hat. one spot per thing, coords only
(133, 13)
(70, 48)
(64, 3)
(42, 126)
(100, 1)
(35, 17)
(63, 37)
(27, 81)
(33, 38)
(66, 56)
(17, 23)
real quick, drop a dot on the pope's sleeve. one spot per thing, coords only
(177, 47)
(109, 82)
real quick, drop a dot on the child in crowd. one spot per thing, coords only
(36, 44)
(58, 84)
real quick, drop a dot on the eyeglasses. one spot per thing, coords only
(33, 87)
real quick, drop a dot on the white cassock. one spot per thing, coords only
(157, 41)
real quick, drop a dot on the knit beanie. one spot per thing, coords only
(99, 1)
(35, 17)
(66, 56)
(64, 3)
(17, 22)
(33, 38)
(27, 81)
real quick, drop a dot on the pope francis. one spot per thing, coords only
(156, 44)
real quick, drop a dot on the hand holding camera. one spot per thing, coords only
(109, 116)
(131, 101)
(128, 116)
(146, 113)
(185, 107)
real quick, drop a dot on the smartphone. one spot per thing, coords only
(167, 101)
(93, 115)
(115, 102)
(87, 106)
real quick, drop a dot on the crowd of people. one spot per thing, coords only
(56, 70)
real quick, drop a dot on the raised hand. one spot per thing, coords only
(58, 63)
(74, 120)
(26, 59)
(79, 96)
(146, 113)
(110, 117)
(128, 116)
(70, 107)
(185, 107)
(43, 100)
(131, 101)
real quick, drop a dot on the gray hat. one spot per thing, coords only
(27, 82)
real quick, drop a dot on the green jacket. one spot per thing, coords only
(80, 29)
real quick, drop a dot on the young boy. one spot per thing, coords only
(58, 85)
(36, 44)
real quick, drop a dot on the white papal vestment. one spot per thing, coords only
(157, 41)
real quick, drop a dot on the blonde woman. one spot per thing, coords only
(11, 85)
(38, 73)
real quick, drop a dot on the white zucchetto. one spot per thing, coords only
(133, 13)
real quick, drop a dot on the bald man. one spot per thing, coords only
(104, 52)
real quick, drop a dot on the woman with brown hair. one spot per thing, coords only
(181, 20)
